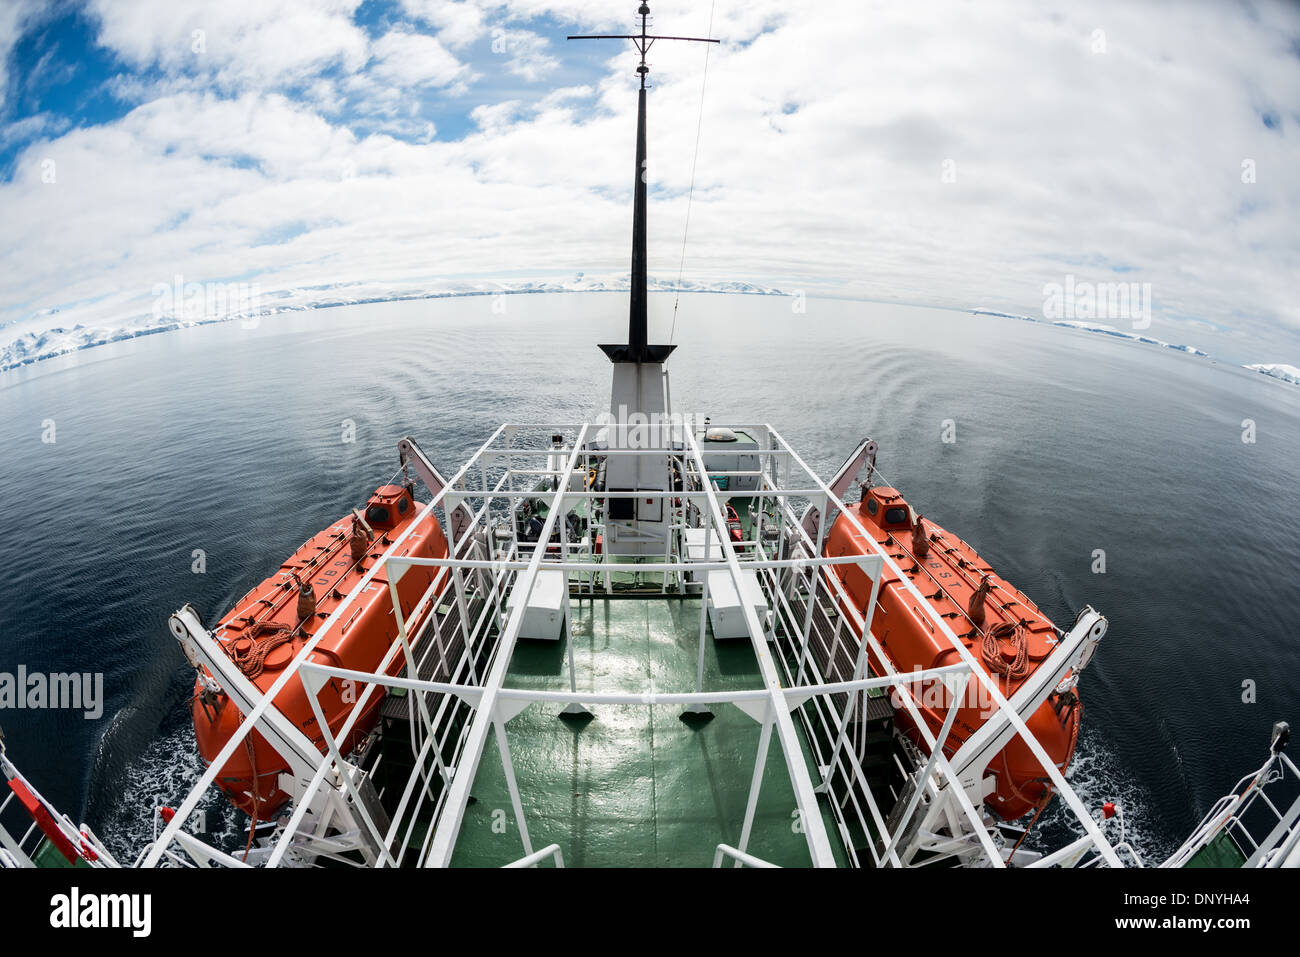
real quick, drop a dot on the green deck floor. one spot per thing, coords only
(632, 786)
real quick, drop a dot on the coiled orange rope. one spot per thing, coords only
(1010, 631)
(252, 661)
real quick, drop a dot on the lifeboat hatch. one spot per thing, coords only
(885, 508)
(389, 505)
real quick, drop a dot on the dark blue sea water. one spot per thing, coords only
(228, 440)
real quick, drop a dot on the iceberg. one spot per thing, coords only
(1277, 370)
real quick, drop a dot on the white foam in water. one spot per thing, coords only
(163, 775)
(1097, 777)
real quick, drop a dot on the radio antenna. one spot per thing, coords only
(638, 348)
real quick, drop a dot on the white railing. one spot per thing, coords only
(1228, 816)
(451, 729)
(740, 857)
(511, 700)
(535, 858)
(19, 852)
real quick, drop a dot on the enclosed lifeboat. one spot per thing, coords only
(267, 628)
(1005, 632)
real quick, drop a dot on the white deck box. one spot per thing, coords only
(544, 616)
(725, 604)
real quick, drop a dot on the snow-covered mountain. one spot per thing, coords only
(33, 339)
(1097, 327)
(32, 347)
(1106, 330)
(1278, 370)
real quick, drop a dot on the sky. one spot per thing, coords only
(955, 154)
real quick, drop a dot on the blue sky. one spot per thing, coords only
(950, 154)
(60, 76)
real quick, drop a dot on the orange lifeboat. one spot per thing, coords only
(1002, 628)
(267, 628)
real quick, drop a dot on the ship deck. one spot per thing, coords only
(634, 786)
(639, 781)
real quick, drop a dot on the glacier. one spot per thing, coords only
(30, 340)
(1099, 328)
(1277, 370)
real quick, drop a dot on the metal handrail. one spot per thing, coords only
(740, 857)
(535, 858)
(508, 573)
(1228, 812)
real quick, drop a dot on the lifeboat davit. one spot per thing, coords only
(1002, 628)
(267, 628)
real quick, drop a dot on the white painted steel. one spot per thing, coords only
(494, 703)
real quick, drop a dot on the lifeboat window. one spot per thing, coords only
(872, 506)
(401, 506)
(376, 514)
(895, 514)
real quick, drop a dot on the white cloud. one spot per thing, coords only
(564, 95)
(234, 44)
(412, 59)
(496, 117)
(15, 17)
(458, 23)
(820, 166)
(526, 53)
(31, 127)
